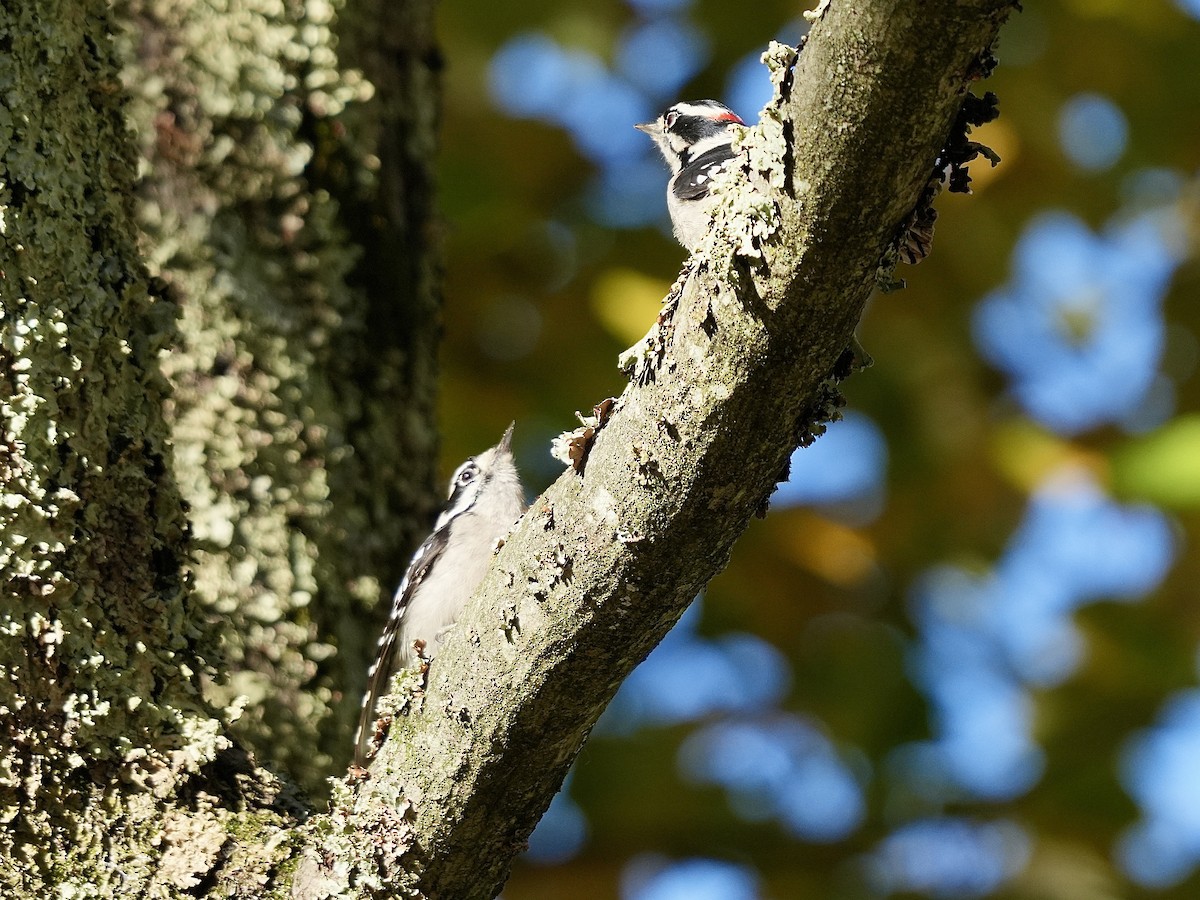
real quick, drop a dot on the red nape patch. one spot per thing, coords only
(730, 117)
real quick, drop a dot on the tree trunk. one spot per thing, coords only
(294, 376)
(300, 413)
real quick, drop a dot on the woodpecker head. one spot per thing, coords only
(686, 130)
(491, 474)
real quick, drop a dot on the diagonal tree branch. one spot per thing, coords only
(606, 560)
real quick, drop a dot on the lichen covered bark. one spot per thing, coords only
(301, 437)
(303, 393)
(102, 721)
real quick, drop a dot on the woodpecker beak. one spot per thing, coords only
(650, 128)
(506, 441)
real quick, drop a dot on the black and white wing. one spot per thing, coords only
(381, 670)
(695, 179)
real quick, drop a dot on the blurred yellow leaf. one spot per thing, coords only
(1163, 467)
(1026, 455)
(626, 302)
(840, 555)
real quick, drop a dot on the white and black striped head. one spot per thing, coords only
(686, 130)
(492, 473)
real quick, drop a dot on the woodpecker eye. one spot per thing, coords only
(669, 119)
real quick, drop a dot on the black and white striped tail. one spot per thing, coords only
(385, 655)
(377, 680)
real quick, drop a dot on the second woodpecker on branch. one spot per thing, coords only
(486, 498)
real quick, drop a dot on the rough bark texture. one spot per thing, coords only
(117, 775)
(114, 773)
(607, 560)
(304, 390)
